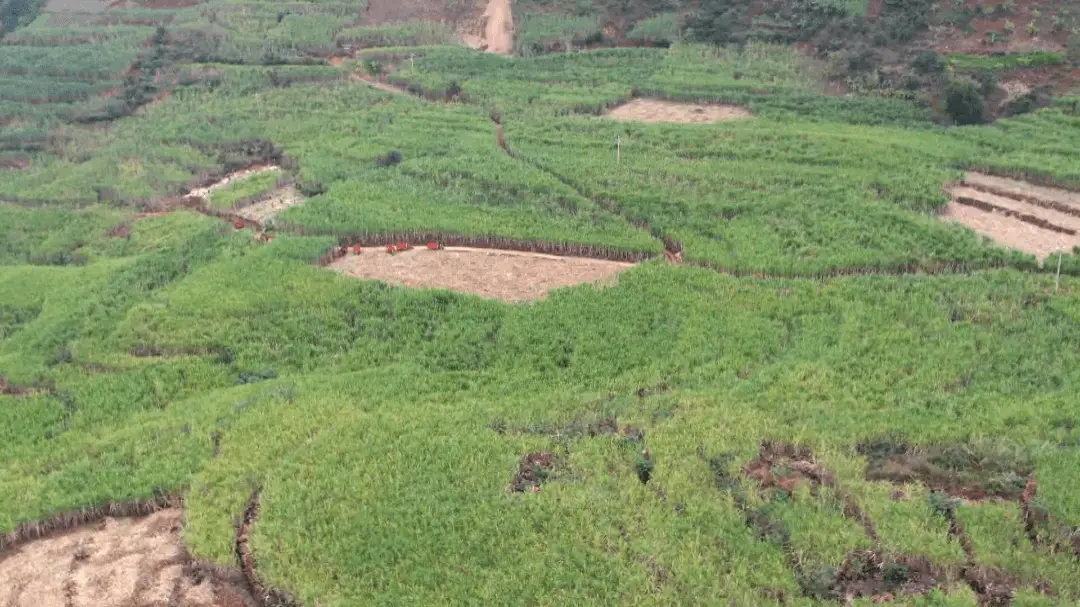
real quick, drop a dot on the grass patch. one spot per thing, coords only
(244, 190)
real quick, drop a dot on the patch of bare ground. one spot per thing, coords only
(656, 110)
(533, 469)
(883, 577)
(785, 466)
(498, 27)
(492, 273)
(1033, 219)
(117, 561)
(958, 470)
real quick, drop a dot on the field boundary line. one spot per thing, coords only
(65, 521)
(671, 246)
(265, 595)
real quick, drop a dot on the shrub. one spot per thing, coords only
(928, 62)
(965, 105)
(389, 159)
(1028, 102)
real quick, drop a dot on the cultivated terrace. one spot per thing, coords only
(543, 302)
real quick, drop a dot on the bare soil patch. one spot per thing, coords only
(1016, 214)
(533, 470)
(492, 273)
(655, 110)
(785, 466)
(867, 573)
(119, 561)
(498, 23)
(960, 470)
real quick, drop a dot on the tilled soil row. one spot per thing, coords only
(982, 205)
(1052, 205)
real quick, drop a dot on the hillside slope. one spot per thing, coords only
(341, 312)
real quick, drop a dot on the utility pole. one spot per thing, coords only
(1057, 277)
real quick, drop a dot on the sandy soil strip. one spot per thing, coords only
(496, 274)
(655, 110)
(119, 561)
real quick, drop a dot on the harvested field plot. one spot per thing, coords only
(115, 562)
(653, 110)
(1015, 214)
(497, 274)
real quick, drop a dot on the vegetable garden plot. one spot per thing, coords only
(1017, 214)
(655, 110)
(492, 273)
(119, 561)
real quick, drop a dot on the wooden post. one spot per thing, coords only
(412, 64)
(618, 149)
(1057, 277)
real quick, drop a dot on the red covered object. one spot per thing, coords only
(391, 249)
(239, 225)
(403, 246)
(434, 245)
(356, 250)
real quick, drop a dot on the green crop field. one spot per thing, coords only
(835, 395)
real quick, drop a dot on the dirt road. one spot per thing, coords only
(499, 27)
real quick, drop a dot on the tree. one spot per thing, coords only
(965, 104)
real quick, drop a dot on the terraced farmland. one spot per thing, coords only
(275, 336)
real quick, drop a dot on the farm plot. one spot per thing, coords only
(1016, 214)
(119, 561)
(655, 110)
(491, 273)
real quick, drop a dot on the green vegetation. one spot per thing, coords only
(659, 29)
(418, 33)
(539, 33)
(1004, 61)
(148, 353)
(243, 190)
